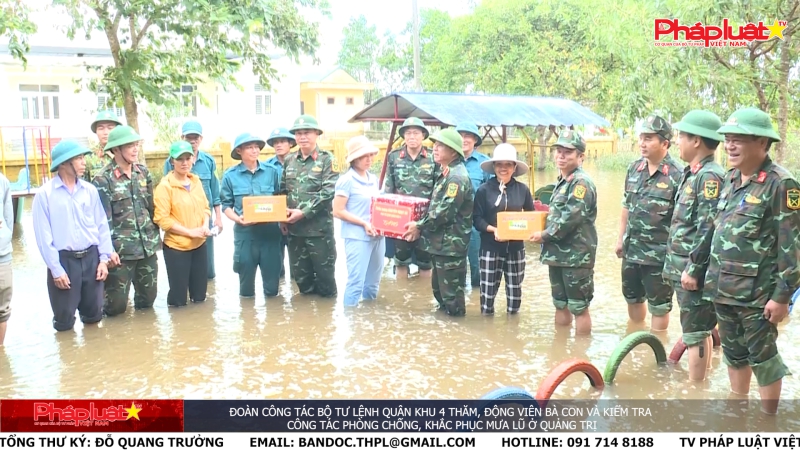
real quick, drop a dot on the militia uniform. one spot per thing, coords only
(754, 255)
(413, 177)
(309, 183)
(258, 245)
(99, 158)
(446, 228)
(569, 240)
(205, 167)
(650, 201)
(691, 230)
(129, 206)
(478, 176)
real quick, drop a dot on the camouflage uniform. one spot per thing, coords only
(414, 177)
(692, 227)
(446, 229)
(95, 163)
(569, 241)
(309, 185)
(754, 255)
(650, 201)
(129, 206)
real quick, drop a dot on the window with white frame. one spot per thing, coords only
(188, 99)
(263, 101)
(39, 101)
(104, 102)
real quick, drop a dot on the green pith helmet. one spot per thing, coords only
(305, 122)
(571, 139)
(413, 122)
(450, 138)
(179, 148)
(64, 151)
(472, 129)
(105, 116)
(750, 121)
(120, 136)
(701, 123)
(658, 125)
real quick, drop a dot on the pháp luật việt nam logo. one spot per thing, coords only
(726, 35)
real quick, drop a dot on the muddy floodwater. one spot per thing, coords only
(303, 347)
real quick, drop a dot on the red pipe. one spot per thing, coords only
(386, 156)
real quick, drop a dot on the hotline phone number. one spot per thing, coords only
(578, 442)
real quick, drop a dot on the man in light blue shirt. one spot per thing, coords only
(283, 142)
(472, 160)
(205, 167)
(72, 234)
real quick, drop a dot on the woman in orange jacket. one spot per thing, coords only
(181, 210)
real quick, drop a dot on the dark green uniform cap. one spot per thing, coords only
(120, 136)
(571, 139)
(179, 148)
(305, 122)
(658, 125)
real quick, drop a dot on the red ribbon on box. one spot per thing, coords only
(91, 416)
(389, 213)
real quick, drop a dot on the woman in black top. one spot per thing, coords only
(501, 258)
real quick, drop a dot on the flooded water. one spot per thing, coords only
(303, 347)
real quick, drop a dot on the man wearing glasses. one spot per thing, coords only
(205, 167)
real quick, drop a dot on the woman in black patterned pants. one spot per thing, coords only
(499, 258)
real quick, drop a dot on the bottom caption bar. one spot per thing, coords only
(126, 441)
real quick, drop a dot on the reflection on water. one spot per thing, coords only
(295, 346)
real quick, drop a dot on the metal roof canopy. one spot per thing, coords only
(482, 110)
(487, 111)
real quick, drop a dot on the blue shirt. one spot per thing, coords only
(276, 163)
(359, 193)
(238, 182)
(476, 174)
(205, 167)
(64, 220)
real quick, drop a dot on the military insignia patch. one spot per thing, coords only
(143, 183)
(316, 169)
(334, 165)
(563, 190)
(452, 190)
(754, 200)
(793, 199)
(711, 189)
(662, 185)
(579, 192)
(688, 190)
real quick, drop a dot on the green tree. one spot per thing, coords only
(359, 52)
(157, 46)
(16, 26)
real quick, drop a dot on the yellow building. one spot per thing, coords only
(333, 96)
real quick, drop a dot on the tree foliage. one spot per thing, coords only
(159, 45)
(16, 26)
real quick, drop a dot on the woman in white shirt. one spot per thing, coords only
(363, 247)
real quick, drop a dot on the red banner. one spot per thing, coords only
(92, 416)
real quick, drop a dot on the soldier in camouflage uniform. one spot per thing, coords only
(126, 191)
(308, 180)
(753, 268)
(410, 170)
(569, 241)
(447, 226)
(690, 234)
(650, 187)
(104, 122)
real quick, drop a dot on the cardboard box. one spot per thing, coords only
(389, 213)
(267, 208)
(518, 225)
